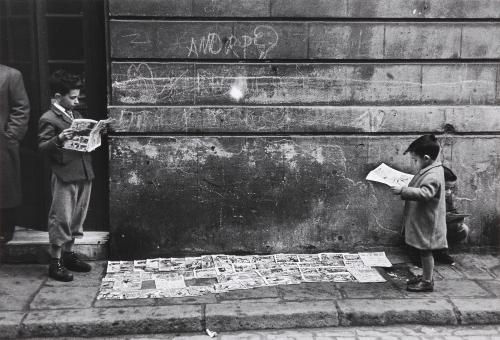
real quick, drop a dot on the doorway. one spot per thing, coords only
(38, 37)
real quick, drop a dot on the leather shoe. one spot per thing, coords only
(73, 263)
(414, 280)
(58, 272)
(421, 286)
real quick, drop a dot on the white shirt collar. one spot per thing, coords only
(59, 107)
(68, 114)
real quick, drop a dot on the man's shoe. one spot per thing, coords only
(421, 286)
(73, 263)
(58, 272)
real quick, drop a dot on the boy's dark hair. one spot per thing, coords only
(425, 145)
(449, 176)
(62, 82)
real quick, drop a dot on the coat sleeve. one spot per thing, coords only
(17, 123)
(427, 190)
(47, 137)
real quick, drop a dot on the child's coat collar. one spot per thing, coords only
(427, 168)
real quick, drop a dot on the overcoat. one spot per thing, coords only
(14, 116)
(425, 209)
(67, 165)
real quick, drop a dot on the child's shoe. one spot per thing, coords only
(414, 280)
(421, 286)
(73, 263)
(58, 272)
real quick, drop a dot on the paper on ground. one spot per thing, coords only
(389, 176)
(363, 273)
(375, 259)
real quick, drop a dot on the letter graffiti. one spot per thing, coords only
(264, 39)
(211, 44)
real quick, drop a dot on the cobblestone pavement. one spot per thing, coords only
(406, 332)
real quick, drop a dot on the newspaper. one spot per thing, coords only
(389, 176)
(194, 276)
(375, 259)
(87, 136)
(362, 272)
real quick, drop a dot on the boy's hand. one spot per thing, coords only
(66, 134)
(396, 189)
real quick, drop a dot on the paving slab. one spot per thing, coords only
(310, 291)
(492, 286)
(254, 294)
(9, 323)
(18, 284)
(449, 272)
(245, 315)
(103, 303)
(473, 268)
(449, 288)
(64, 297)
(188, 300)
(107, 321)
(395, 311)
(356, 290)
(478, 311)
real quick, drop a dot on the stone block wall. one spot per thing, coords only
(248, 126)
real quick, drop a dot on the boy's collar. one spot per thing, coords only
(60, 111)
(430, 166)
(59, 107)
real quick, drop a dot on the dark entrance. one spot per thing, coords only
(38, 37)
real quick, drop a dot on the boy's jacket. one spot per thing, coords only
(67, 165)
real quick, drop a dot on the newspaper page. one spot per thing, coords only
(375, 259)
(193, 276)
(389, 176)
(87, 135)
(362, 272)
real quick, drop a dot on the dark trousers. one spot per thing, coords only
(7, 225)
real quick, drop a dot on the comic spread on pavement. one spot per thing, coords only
(193, 276)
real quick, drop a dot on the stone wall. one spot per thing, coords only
(330, 89)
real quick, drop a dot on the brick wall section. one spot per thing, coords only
(331, 88)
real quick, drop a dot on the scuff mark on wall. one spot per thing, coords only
(134, 179)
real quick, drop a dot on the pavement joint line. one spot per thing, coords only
(456, 311)
(35, 293)
(92, 305)
(480, 284)
(340, 314)
(203, 316)
(21, 323)
(343, 293)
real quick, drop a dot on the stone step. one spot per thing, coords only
(32, 246)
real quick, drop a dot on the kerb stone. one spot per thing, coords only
(112, 321)
(9, 324)
(478, 311)
(240, 316)
(366, 312)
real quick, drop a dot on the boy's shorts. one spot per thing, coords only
(70, 201)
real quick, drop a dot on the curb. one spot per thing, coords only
(247, 316)
(478, 311)
(365, 312)
(255, 315)
(111, 321)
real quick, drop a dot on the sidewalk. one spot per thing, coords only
(31, 305)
